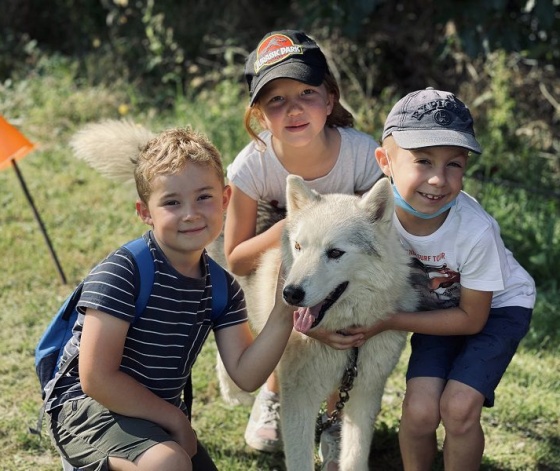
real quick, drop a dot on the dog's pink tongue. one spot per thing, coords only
(303, 320)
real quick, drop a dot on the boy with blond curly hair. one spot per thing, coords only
(121, 408)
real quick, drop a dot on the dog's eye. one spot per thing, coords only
(335, 253)
(297, 246)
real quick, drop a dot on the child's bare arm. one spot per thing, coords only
(466, 319)
(101, 349)
(242, 247)
(249, 362)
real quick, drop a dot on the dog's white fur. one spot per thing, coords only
(328, 241)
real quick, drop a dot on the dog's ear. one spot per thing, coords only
(379, 202)
(298, 194)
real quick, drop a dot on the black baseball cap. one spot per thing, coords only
(430, 117)
(285, 54)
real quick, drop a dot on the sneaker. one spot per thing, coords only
(329, 447)
(263, 430)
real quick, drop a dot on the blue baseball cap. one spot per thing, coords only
(428, 118)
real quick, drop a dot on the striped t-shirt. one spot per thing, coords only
(162, 344)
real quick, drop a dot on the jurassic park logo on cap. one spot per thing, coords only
(274, 49)
(284, 54)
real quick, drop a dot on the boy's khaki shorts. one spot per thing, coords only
(86, 434)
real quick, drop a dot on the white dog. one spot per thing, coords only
(344, 266)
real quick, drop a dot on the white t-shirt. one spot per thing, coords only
(467, 250)
(261, 176)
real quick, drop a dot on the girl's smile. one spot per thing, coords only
(297, 127)
(294, 112)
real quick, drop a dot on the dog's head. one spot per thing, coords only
(335, 246)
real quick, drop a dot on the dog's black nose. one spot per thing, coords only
(293, 295)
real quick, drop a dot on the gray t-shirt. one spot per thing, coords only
(260, 175)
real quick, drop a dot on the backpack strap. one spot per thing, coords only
(140, 251)
(219, 288)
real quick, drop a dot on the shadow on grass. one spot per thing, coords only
(251, 459)
(385, 453)
(384, 456)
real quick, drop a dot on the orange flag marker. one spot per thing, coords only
(14, 146)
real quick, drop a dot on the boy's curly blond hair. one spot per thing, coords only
(169, 152)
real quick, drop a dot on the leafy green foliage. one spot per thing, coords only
(518, 25)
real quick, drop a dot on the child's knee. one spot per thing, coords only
(420, 412)
(461, 409)
(421, 403)
(168, 455)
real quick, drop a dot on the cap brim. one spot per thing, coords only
(293, 70)
(424, 138)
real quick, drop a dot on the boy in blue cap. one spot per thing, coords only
(479, 298)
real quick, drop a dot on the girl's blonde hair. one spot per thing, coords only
(169, 152)
(339, 117)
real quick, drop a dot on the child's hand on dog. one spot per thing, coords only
(369, 331)
(339, 340)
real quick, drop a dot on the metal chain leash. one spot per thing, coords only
(346, 384)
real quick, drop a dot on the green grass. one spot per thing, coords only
(87, 216)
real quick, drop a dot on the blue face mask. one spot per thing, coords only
(399, 201)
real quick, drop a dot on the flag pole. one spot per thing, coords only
(14, 146)
(39, 220)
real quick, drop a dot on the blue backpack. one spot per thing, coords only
(50, 348)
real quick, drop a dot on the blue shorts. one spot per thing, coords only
(478, 360)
